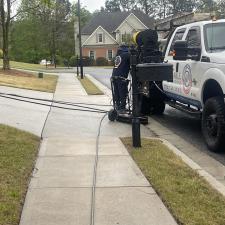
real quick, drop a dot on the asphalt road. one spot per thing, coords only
(180, 123)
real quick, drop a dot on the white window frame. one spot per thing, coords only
(108, 54)
(93, 54)
(99, 37)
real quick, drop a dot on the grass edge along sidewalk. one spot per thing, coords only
(90, 87)
(18, 152)
(30, 81)
(190, 199)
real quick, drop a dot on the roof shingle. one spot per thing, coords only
(110, 21)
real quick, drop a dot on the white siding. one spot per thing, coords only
(93, 40)
(137, 24)
(84, 38)
(129, 26)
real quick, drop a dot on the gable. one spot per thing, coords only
(125, 27)
(135, 22)
(130, 24)
(107, 39)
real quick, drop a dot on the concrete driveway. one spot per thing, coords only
(21, 115)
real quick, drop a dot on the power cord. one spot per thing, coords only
(93, 198)
(83, 108)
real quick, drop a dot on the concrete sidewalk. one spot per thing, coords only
(23, 115)
(61, 188)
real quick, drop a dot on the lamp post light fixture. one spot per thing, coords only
(80, 44)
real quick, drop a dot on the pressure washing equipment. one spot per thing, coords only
(147, 68)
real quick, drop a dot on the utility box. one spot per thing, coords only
(40, 75)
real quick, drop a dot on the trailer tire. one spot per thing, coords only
(213, 124)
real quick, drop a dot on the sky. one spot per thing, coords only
(92, 5)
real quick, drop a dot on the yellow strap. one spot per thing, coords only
(135, 37)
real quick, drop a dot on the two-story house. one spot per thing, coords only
(106, 31)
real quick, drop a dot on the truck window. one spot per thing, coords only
(178, 36)
(214, 37)
(194, 37)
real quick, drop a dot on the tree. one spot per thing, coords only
(45, 32)
(149, 7)
(112, 5)
(5, 15)
(128, 5)
(54, 24)
(221, 9)
(5, 21)
(207, 6)
(179, 6)
(162, 9)
(84, 13)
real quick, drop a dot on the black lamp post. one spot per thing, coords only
(80, 45)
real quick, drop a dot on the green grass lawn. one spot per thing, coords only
(26, 66)
(30, 81)
(18, 151)
(30, 66)
(90, 87)
(191, 200)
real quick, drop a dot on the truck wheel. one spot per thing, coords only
(112, 115)
(213, 124)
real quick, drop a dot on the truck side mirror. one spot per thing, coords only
(180, 50)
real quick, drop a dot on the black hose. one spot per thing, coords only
(54, 106)
(47, 100)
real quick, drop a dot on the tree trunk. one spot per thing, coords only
(6, 64)
(5, 20)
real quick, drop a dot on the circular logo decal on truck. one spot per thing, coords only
(187, 79)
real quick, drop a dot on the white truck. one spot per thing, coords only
(197, 52)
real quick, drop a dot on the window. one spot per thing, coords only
(178, 36)
(100, 38)
(214, 37)
(92, 55)
(194, 37)
(110, 54)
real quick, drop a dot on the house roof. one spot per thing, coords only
(110, 21)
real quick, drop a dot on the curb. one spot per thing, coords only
(101, 86)
(202, 173)
(208, 177)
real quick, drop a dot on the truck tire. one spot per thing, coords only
(213, 124)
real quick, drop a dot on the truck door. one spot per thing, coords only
(173, 89)
(185, 87)
(191, 69)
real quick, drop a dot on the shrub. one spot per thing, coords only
(87, 61)
(101, 61)
(58, 60)
(73, 61)
(111, 62)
